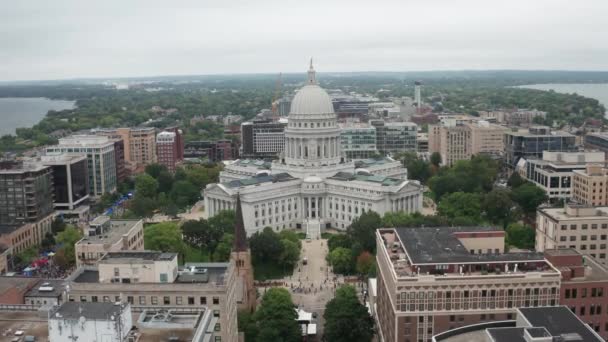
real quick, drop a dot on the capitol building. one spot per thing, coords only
(312, 186)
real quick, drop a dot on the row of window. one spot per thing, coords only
(595, 292)
(154, 300)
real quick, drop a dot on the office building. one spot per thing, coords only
(584, 283)
(431, 280)
(263, 138)
(19, 237)
(107, 322)
(70, 179)
(358, 140)
(312, 187)
(167, 150)
(596, 141)
(519, 117)
(26, 192)
(214, 151)
(153, 280)
(106, 235)
(590, 186)
(101, 159)
(179, 141)
(532, 142)
(577, 226)
(555, 171)
(395, 137)
(544, 324)
(139, 145)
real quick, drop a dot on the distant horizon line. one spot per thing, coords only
(151, 77)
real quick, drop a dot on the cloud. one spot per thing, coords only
(69, 38)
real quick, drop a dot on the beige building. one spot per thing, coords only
(21, 237)
(106, 235)
(432, 280)
(458, 140)
(590, 186)
(139, 142)
(581, 227)
(150, 280)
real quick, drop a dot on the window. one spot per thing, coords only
(154, 300)
(142, 300)
(116, 272)
(94, 299)
(216, 301)
(203, 300)
(166, 300)
(106, 299)
(178, 300)
(164, 278)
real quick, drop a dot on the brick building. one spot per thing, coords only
(431, 280)
(167, 150)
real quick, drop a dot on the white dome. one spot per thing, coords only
(311, 99)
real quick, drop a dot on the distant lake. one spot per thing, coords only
(18, 112)
(597, 91)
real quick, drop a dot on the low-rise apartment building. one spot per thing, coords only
(590, 186)
(431, 280)
(107, 235)
(576, 226)
(555, 171)
(152, 280)
(25, 235)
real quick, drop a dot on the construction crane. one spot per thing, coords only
(277, 94)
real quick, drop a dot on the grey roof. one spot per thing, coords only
(280, 177)
(378, 179)
(436, 245)
(88, 310)
(87, 276)
(58, 286)
(559, 321)
(215, 273)
(142, 255)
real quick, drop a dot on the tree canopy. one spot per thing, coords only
(346, 319)
(275, 318)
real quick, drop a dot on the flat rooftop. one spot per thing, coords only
(559, 321)
(30, 322)
(594, 213)
(280, 177)
(47, 288)
(215, 273)
(437, 245)
(90, 310)
(139, 255)
(373, 162)
(117, 229)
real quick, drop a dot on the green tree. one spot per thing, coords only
(529, 197)
(265, 246)
(58, 225)
(346, 319)
(142, 206)
(146, 186)
(499, 208)
(184, 193)
(290, 253)
(224, 248)
(461, 204)
(164, 237)
(339, 240)
(67, 239)
(515, 180)
(48, 242)
(520, 236)
(155, 169)
(435, 159)
(276, 318)
(362, 231)
(341, 260)
(165, 182)
(224, 221)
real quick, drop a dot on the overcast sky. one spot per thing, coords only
(42, 39)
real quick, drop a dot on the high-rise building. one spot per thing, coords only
(139, 145)
(358, 140)
(577, 226)
(263, 138)
(590, 186)
(418, 93)
(179, 141)
(26, 192)
(533, 141)
(395, 137)
(167, 150)
(101, 159)
(70, 179)
(456, 138)
(431, 280)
